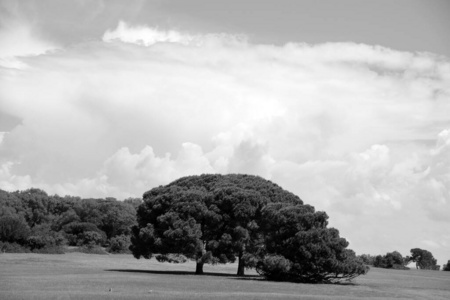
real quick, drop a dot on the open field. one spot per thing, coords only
(88, 276)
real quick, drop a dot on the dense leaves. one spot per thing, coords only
(423, 259)
(311, 252)
(392, 260)
(209, 218)
(38, 222)
(221, 218)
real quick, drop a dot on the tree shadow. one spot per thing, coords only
(226, 275)
(159, 272)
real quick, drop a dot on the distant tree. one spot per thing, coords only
(13, 229)
(423, 259)
(66, 217)
(37, 221)
(116, 218)
(367, 259)
(135, 202)
(119, 244)
(35, 205)
(392, 260)
(83, 233)
(42, 236)
(446, 267)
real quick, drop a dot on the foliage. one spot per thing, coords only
(314, 252)
(13, 228)
(367, 259)
(6, 247)
(43, 237)
(275, 267)
(208, 218)
(91, 249)
(423, 259)
(218, 218)
(119, 244)
(446, 267)
(171, 258)
(83, 233)
(392, 260)
(43, 223)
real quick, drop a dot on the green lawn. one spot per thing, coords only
(89, 276)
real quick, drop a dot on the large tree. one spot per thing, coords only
(211, 218)
(220, 218)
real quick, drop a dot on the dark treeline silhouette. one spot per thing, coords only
(32, 220)
(394, 260)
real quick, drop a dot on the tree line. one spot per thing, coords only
(394, 260)
(32, 220)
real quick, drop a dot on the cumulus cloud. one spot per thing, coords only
(356, 130)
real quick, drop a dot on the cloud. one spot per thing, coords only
(146, 36)
(18, 38)
(359, 131)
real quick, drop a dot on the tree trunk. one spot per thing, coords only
(199, 268)
(241, 266)
(200, 260)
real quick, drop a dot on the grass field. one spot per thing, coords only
(89, 276)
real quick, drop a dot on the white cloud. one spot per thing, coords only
(146, 36)
(356, 130)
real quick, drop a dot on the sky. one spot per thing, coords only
(344, 103)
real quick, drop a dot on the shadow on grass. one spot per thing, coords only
(245, 277)
(230, 276)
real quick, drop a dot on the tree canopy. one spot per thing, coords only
(220, 218)
(424, 259)
(392, 260)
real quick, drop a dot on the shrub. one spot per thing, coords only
(50, 250)
(90, 238)
(119, 244)
(274, 267)
(6, 247)
(87, 249)
(43, 237)
(171, 258)
(83, 233)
